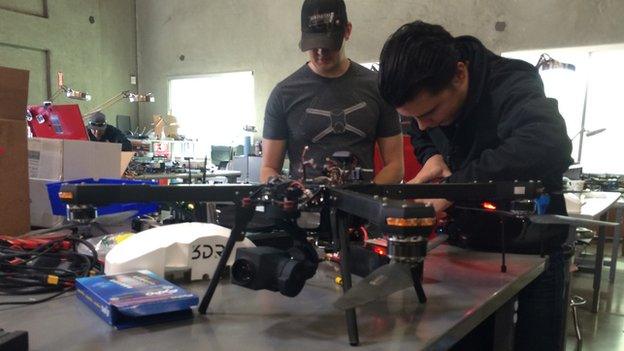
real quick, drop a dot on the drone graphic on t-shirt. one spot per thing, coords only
(338, 123)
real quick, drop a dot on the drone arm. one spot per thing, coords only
(98, 194)
(454, 192)
(380, 212)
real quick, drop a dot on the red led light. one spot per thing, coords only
(488, 206)
(380, 251)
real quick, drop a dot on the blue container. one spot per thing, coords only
(59, 208)
(247, 146)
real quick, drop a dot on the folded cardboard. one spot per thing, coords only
(13, 93)
(126, 157)
(14, 178)
(58, 159)
(40, 209)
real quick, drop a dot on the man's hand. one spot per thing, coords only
(439, 205)
(434, 170)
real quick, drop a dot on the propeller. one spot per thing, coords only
(573, 221)
(114, 218)
(383, 281)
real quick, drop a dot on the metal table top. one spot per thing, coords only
(463, 288)
(596, 203)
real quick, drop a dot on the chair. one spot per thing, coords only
(220, 153)
(576, 301)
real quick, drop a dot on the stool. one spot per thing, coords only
(576, 301)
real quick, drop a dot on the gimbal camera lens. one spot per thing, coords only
(273, 269)
(243, 272)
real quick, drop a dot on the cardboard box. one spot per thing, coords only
(126, 157)
(40, 209)
(14, 203)
(13, 93)
(58, 159)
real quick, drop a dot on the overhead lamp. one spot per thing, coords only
(126, 94)
(132, 97)
(546, 62)
(69, 92)
(77, 95)
(589, 133)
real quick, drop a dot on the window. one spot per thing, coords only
(588, 101)
(602, 153)
(373, 66)
(213, 109)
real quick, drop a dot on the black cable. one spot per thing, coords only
(30, 302)
(48, 268)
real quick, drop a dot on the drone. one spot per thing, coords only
(391, 208)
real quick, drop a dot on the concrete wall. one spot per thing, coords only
(262, 35)
(95, 57)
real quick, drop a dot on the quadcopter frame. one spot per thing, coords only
(390, 207)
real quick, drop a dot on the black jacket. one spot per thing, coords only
(113, 135)
(506, 130)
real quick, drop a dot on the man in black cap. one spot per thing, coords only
(481, 117)
(99, 130)
(329, 104)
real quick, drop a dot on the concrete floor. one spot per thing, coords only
(603, 330)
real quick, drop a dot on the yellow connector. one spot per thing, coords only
(52, 280)
(338, 280)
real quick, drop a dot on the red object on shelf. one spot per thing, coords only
(410, 162)
(57, 122)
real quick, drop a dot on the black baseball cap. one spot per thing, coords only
(97, 121)
(323, 24)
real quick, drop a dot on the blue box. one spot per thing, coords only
(60, 209)
(137, 298)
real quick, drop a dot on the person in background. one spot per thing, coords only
(99, 130)
(329, 104)
(481, 117)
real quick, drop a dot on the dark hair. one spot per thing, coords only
(418, 56)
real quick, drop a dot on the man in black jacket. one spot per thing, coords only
(99, 130)
(480, 117)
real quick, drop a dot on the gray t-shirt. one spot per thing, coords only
(328, 115)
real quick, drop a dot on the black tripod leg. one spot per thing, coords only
(503, 246)
(242, 219)
(339, 231)
(417, 273)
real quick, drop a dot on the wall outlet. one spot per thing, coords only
(133, 80)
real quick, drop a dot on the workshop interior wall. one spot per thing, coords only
(263, 35)
(46, 36)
